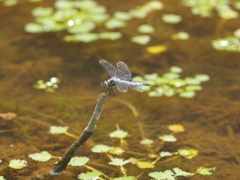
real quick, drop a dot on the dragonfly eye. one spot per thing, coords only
(104, 84)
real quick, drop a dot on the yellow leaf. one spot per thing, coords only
(176, 128)
(156, 49)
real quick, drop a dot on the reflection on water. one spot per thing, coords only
(210, 119)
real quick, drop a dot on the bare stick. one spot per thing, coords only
(60, 166)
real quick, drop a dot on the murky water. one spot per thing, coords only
(211, 118)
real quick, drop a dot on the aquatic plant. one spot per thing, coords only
(155, 156)
(170, 84)
(48, 86)
(14, 2)
(205, 8)
(229, 43)
(15, 164)
(82, 18)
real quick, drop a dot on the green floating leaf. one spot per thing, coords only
(188, 153)
(42, 11)
(64, 4)
(87, 37)
(236, 33)
(82, 28)
(141, 39)
(123, 16)
(33, 28)
(171, 18)
(177, 83)
(42, 156)
(2, 178)
(226, 12)
(118, 162)
(192, 81)
(114, 23)
(147, 141)
(181, 36)
(187, 94)
(193, 88)
(118, 134)
(145, 28)
(171, 75)
(78, 161)
(152, 76)
(166, 175)
(168, 138)
(58, 129)
(100, 148)
(202, 77)
(179, 172)
(89, 175)
(154, 5)
(124, 178)
(165, 153)
(10, 2)
(110, 35)
(176, 69)
(0, 160)
(205, 171)
(17, 164)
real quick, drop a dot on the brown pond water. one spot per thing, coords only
(211, 118)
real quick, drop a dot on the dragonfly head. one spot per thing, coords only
(104, 84)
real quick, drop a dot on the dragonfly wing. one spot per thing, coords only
(123, 72)
(112, 71)
(136, 88)
(122, 88)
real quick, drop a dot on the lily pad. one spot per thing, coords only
(171, 18)
(145, 28)
(100, 148)
(166, 175)
(58, 129)
(118, 162)
(118, 134)
(147, 141)
(168, 138)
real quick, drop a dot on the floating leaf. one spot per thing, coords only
(78, 161)
(202, 77)
(154, 5)
(123, 16)
(144, 165)
(176, 128)
(58, 129)
(188, 153)
(42, 11)
(187, 94)
(101, 148)
(8, 116)
(116, 151)
(110, 35)
(141, 39)
(168, 138)
(145, 28)
(114, 23)
(64, 4)
(118, 162)
(171, 75)
(147, 141)
(205, 171)
(2, 178)
(87, 37)
(171, 18)
(156, 49)
(17, 164)
(192, 81)
(179, 172)
(42, 156)
(166, 175)
(181, 36)
(33, 28)
(10, 2)
(193, 88)
(124, 178)
(118, 134)
(165, 153)
(89, 175)
(176, 69)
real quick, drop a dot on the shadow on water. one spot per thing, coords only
(211, 118)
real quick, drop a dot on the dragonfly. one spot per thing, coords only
(120, 78)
